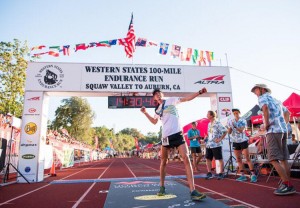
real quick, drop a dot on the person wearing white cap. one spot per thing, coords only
(275, 119)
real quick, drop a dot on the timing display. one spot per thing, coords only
(131, 102)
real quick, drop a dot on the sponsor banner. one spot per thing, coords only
(125, 77)
(215, 79)
(224, 105)
(64, 154)
(224, 113)
(51, 77)
(68, 160)
(30, 136)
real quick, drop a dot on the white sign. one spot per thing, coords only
(125, 78)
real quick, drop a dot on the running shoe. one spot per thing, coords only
(253, 179)
(242, 178)
(197, 196)
(220, 176)
(285, 190)
(209, 176)
(162, 191)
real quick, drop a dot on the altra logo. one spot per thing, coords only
(212, 80)
(34, 98)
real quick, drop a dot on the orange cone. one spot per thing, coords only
(52, 170)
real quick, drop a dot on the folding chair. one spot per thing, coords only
(295, 160)
(261, 158)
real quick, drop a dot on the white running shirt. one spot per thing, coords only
(170, 117)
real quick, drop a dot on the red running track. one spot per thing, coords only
(46, 195)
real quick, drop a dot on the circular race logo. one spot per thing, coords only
(30, 128)
(155, 197)
(50, 76)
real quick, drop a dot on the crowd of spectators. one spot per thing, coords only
(63, 136)
(5, 121)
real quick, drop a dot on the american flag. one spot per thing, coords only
(129, 41)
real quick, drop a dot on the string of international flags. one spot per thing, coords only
(130, 43)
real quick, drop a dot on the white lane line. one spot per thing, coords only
(20, 196)
(234, 199)
(24, 195)
(129, 169)
(89, 189)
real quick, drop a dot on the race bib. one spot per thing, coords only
(165, 141)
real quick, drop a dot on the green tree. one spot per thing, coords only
(123, 142)
(133, 132)
(75, 115)
(103, 134)
(13, 66)
(152, 138)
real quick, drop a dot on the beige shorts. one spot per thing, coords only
(277, 147)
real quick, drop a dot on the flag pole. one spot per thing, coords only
(226, 59)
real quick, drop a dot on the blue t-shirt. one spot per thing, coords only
(194, 142)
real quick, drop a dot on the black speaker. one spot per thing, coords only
(3, 145)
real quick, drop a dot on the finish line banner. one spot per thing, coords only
(84, 77)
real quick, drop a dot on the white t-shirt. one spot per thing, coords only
(170, 117)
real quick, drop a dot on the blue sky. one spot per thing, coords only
(260, 38)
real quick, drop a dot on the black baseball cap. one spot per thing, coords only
(155, 91)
